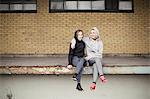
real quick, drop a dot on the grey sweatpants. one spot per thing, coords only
(78, 62)
(97, 68)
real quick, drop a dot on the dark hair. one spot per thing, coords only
(76, 34)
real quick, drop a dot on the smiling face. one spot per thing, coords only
(80, 35)
(93, 34)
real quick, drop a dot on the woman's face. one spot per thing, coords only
(80, 36)
(93, 34)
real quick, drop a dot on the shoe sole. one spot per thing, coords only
(104, 81)
(79, 90)
(74, 79)
(92, 88)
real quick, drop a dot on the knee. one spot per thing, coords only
(91, 62)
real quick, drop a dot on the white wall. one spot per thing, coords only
(62, 87)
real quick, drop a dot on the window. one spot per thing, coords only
(4, 7)
(125, 5)
(91, 5)
(57, 4)
(111, 5)
(84, 5)
(18, 6)
(70, 5)
(76, 5)
(98, 5)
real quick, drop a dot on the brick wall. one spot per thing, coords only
(149, 25)
(50, 33)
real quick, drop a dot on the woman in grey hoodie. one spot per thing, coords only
(94, 48)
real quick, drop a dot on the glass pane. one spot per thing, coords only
(84, 5)
(4, 7)
(57, 4)
(4, 1)
(108, 4)
(125, 5)
(16, 7)
(98, 5)
(111, 5)
(114, 4)
(16, 1)
(71, 5)
(29, 6)
(29, 1)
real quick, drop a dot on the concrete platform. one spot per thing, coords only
(63, 87)
(57, 65)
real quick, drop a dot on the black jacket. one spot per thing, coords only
(77, 51)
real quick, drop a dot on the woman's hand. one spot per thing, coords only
(69, 66)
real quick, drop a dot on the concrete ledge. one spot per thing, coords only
(57, 65)
(63, 70)
(62, 55)
(35, 70)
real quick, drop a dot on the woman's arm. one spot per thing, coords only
(70, 55)
(101, 47)
(87, 41)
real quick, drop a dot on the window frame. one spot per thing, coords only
(105, 10)
(19, 11)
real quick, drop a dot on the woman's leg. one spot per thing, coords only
(95, 76)
(95, 73)
(75, 62)
(80, 69)
(98, 62)
(100, 69)
(95, 70)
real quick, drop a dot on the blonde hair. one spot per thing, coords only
(97, 32)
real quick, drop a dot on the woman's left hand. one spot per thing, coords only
(69, 66)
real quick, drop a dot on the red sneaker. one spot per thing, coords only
(103, 79)
(93, 86)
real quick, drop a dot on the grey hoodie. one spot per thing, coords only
(93, 48)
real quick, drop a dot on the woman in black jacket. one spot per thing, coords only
(76, 56)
